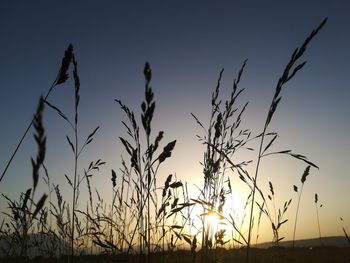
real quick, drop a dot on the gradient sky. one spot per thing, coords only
(186, 43)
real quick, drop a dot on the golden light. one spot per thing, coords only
(214, 223)
(212, 220)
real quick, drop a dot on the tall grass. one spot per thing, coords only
(212, 162)
(61, 78)
(222, 138)
(74, 180)
(317, 206)
(143, 216)
(299, 192)
(145, 166)
(23, 215)
(292, 67)
(276, 219)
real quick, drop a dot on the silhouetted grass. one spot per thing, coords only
(74, 181)
(292, 67)
(62, 76)
(223, 138)
(345, 233)
(22, 215)
(276, 220)
(150, 221)
(317, 206)
(295, 188)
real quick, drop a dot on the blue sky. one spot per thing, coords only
(186, 43)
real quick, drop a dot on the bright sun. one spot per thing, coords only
(212, 220)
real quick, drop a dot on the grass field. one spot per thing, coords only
(150, 221)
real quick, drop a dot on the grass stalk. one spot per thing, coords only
(62, 76)
(296, 215)
(289, 72)
(144, 166)
(344, 231)
(76, 153)
(303, 179)
(318, 219)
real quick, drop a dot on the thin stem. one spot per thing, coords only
(24, 135)
(74, 188)
(296, 215)
(140, 198)
(148, 180)
(163, 238)
(274, 208)
(318, 223)
(76, 152)
(254, 188)
(125, 210)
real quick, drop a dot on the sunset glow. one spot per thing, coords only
(189, 130)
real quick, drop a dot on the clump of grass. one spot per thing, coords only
(145, 167)
(170, 200)
(135, 210)
(276, 219)
(292, 67)
(27, 198)
(61, 213)
(223, 137)
(212, 161)
(74, 181)
(220, 149)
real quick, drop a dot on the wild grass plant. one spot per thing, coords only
(276, 219)
(145, 162)
(24, 214)
(299, 191)
(75, 180)
(222, 138)
(25, 211)
(292, 67)
(317, 206)
(136, 221)
(61, 78)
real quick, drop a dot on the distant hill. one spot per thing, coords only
(335, 241)
(44, 244)
(37, 244)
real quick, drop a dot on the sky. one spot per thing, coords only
(186, 43)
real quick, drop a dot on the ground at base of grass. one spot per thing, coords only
(272, 255)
